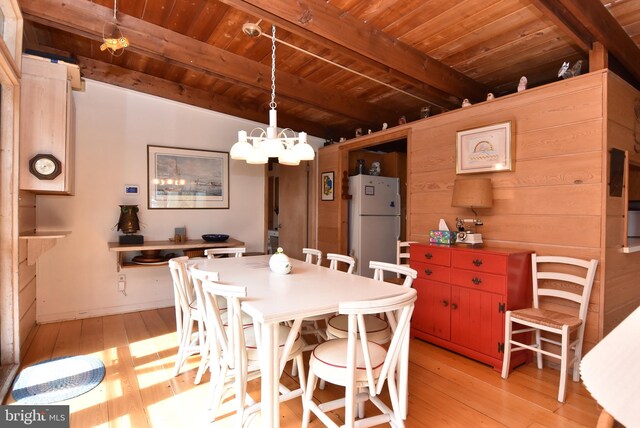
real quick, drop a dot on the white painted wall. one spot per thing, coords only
(77, 278)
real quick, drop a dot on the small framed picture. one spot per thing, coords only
(485, 149)
(327, 183)
(131, 190)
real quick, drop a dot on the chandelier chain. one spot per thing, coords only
(273, 68)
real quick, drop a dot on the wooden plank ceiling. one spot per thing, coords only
(388, 58)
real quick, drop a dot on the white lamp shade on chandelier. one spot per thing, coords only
(260, 145)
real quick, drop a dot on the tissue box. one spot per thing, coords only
(442, 237)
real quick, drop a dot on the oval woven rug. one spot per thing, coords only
(57, 379)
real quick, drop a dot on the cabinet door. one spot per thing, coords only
(431, 314)
(476, 320)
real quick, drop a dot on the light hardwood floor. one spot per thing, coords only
(138, 349)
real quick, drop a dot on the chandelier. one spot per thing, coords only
(260, 144)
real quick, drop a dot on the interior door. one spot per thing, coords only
(293, 205)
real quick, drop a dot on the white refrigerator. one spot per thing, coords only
(374, 220)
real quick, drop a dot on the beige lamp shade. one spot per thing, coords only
(472, 193)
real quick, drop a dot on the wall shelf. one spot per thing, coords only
(191, 244)
(39, 242)
(633, 246)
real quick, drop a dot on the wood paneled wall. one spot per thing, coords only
(554, 202)
(26, 272)
(621, 294)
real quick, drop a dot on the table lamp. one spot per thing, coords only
(471, 193)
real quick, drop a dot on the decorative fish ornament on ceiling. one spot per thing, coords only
(114, 44)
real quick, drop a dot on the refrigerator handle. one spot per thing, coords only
(398, 202)
(398, 227)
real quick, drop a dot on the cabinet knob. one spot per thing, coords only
(445, 303)
(428, 255)
(428, 271)
(477, 262)
(476, 281)
(454, 306)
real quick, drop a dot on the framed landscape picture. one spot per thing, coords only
(485, 149)
(187, 178)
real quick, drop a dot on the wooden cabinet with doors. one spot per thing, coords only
(463, 293)
(46, 127)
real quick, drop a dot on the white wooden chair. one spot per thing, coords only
(336, 259)
(310, 325)
(402, 253)
(233, 347)
(188, 313)
(378, 329)
(229, 252)
(362, 365)
(549, 284)
(310, 254)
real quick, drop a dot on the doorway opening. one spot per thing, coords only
(288, 208)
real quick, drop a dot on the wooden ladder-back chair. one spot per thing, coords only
(229, 252)
(402, 253)
(233, 346)
(548, 284)
(187, 315)
(362, 365)
(310, 254)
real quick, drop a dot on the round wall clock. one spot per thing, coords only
(45, 166)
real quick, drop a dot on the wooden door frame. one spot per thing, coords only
(312, 212)
(364, 142)
(10, 60)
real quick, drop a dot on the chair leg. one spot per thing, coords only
(360, 406)
(204, 355)
(563, 364)
(576, 361)
(187, 328)
(506, 359)
(307, 398)
(294, 368)
(539, 346)
(299, 361)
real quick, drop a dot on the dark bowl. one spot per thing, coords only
(215, 237)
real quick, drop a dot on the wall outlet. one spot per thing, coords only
(122, 282)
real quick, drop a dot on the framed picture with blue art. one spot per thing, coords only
(327, 185)
(187, 178)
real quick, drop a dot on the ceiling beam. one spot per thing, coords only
(567, 23)
(325, 24)
(141, 82)
(86, 19)
(601, 27)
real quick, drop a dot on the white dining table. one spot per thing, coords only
(274, 298)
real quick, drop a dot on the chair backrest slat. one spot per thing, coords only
(230, 251)
(310, 253)
(402, 252)
(543, 277)
(335, 258)
(379, 268)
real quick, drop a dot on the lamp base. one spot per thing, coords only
(131, 239)
(469, 238)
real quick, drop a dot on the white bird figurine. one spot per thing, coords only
(490, 96)
(566, 73)
(466, 103)
(522, 85)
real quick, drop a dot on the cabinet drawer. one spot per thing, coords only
(432, 272)
(479, 280)
(480, 261)
(430, 254)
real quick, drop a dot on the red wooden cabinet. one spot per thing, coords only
(463, 293)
